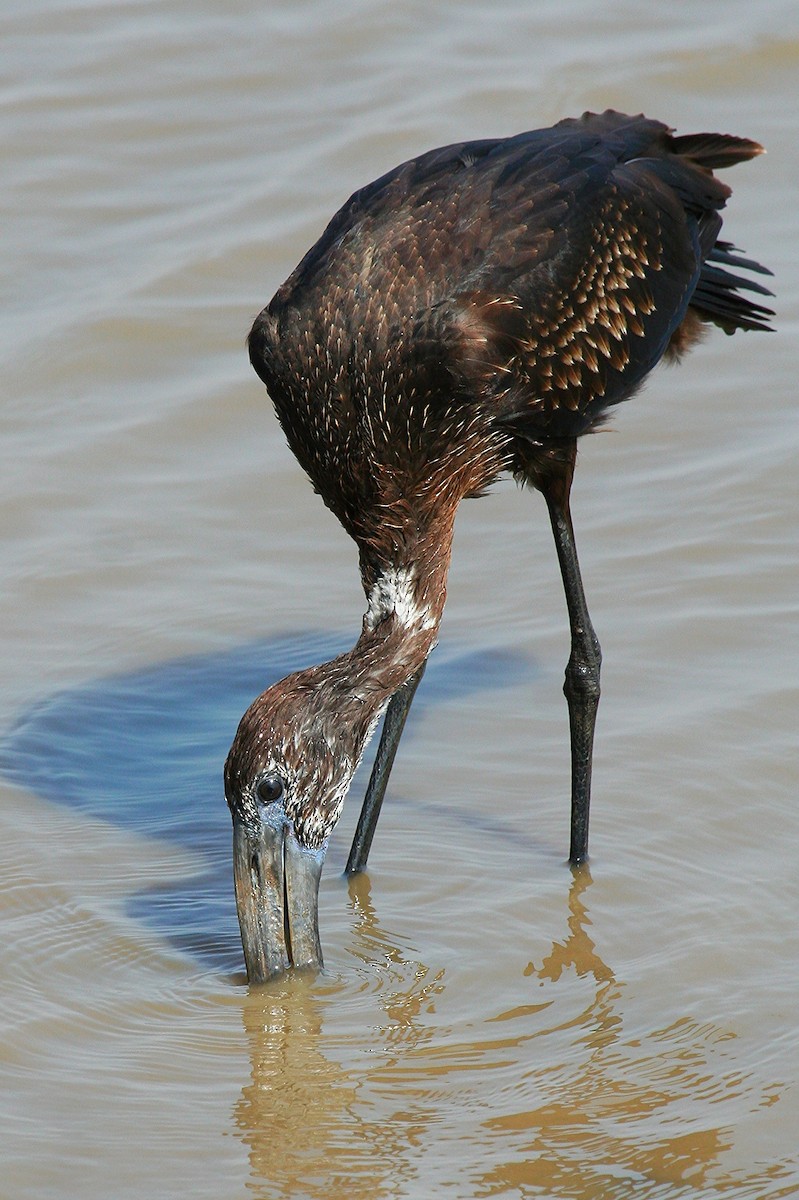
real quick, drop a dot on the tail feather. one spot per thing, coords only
(726, 279)
(725, 252)
(716, 297)
(716, 149)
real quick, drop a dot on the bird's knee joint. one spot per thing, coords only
(582, 681)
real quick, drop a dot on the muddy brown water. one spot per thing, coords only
(488, 1025)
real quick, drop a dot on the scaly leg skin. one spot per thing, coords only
(581, 687)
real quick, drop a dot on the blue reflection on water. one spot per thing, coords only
(145, 751)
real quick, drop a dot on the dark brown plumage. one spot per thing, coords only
(472, 312)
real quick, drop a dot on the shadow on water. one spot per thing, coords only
(145, 751)
(550, 1094)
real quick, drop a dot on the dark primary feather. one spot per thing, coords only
(476, 306)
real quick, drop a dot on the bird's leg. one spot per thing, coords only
(581, 687)
(393, 725)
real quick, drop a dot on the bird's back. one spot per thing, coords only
(496, 293)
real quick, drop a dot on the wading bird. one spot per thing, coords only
(470, 313)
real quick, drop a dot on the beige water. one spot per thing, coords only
(488, 1025)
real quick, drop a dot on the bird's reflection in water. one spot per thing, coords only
(628, 1111)
(359, 1088)
(577, 952)
(301, 1115)
(294, 1115)
(404, 996)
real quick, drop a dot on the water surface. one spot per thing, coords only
(488, 1025)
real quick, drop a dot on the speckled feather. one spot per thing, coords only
(474, 306)
(312, 727)
(473, 311)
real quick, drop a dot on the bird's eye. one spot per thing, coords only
(269, 788)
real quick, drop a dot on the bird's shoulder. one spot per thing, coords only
(543, 274)
(438, 223)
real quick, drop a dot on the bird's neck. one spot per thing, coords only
(405, 601)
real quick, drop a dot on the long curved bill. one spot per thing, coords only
(277, 897)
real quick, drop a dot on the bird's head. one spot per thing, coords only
(292, 759)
